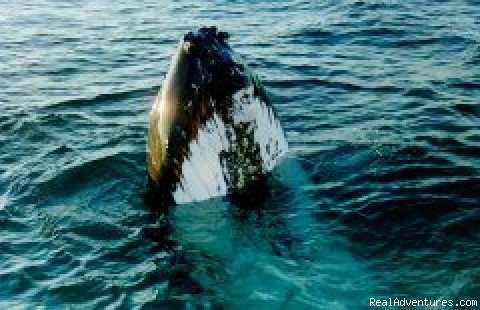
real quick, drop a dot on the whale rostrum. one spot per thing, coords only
(212, 130)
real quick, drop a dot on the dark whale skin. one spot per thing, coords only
(213, 90)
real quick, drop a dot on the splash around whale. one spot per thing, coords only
(212, 129)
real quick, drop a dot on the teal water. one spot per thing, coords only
(380, 104)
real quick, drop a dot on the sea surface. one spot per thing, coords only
(380, 102)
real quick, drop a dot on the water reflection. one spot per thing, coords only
(262, 249)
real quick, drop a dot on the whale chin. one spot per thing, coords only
(212, 130)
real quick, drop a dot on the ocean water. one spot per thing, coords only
(380, 102)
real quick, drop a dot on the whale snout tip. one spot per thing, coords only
(203, 37)
(207, 31)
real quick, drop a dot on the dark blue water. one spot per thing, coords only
(380, 101)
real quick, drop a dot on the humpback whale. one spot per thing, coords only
(212, 129)
(213, 132)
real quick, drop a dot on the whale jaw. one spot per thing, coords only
(212, 130)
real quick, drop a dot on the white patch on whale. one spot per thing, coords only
(203, 175)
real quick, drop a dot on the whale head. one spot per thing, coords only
(212, 130)
(213, 68)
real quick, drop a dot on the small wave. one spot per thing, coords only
(428, 41)
(375, 5)
(313, 33)
(457, 187)
(105, 98)
(93, 230)
(63, 71)
(425, 93)
(448, 146)
(76, 175)
(466, 85)
(415, 172)
(381, 32)
(347, 86)
(462, 225)
(416, 42)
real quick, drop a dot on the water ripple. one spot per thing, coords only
(379, 100)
